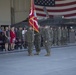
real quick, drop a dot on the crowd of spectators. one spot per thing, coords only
(12, 38)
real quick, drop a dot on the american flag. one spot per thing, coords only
(64, 8)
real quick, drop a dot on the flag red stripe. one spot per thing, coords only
(60, 10)
(67, 15)
(38, 14)
(74, 14)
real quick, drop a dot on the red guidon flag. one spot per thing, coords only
(32, 18)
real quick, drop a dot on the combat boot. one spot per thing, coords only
(37, 53)
(30, 54)
(48, 54)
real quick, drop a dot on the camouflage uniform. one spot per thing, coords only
(37, 42)
(47, 40)
(59, 35)
(51, 35)
(29, 37)
(55, 36)
(64, 36)
(41, 32)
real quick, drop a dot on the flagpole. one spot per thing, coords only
(32, 2)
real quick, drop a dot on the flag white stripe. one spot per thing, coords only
(39, 17)
(58, 13)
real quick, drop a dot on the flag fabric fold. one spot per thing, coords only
(32, 17)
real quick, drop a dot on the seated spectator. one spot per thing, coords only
(1, 41)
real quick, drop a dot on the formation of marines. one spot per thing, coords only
(46, 37)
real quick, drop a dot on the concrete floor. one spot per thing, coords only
(61, 62)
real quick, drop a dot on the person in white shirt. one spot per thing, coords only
(23, 37)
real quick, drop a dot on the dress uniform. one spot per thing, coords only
(19, 38)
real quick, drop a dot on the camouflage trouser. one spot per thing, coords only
(55, 41)
(64, 41)
(38, 46)
(47, 46)
(59, 41)
(30, 48)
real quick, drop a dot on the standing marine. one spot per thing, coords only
(47, 40)
(29, 37)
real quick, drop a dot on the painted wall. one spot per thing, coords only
(5, 18)
(21, 10)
